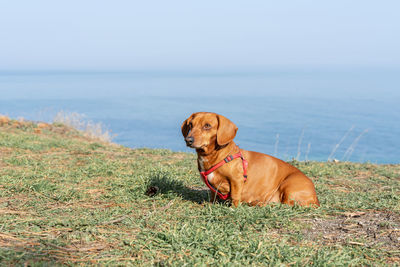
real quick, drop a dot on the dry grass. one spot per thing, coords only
(87, 127)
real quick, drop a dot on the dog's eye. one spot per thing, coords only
(207, 126)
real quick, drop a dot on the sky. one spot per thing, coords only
(119, 35)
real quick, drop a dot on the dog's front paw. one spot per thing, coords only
(236, 203)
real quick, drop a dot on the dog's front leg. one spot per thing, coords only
(236, 191)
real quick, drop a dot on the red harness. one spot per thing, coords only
(225, 160)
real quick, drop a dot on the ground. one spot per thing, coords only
(67, 199)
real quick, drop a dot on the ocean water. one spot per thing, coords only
(302, 114)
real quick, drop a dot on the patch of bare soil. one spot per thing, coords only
(358, 228)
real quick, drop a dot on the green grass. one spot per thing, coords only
(66, 199)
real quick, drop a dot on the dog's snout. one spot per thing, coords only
(189, 140)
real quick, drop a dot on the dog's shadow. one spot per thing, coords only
(161, 184)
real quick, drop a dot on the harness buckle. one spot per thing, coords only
(228, 158)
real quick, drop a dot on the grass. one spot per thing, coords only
(67, 199)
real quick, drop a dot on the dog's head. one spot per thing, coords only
(205, 131)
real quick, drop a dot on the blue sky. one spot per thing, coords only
(197, 34)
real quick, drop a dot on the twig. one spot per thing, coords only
(356, 243)
(299, 144)
(340, 142)
(276, 146)
(75, 249)
(350, 150)
(117, 220)
(308, 150)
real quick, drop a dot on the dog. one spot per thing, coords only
(240, 175)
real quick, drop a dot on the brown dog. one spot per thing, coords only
(269, 179)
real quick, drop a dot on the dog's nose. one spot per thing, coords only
(189, 140)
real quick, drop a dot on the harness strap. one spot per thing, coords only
(213, 168)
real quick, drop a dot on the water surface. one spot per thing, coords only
(299, 114)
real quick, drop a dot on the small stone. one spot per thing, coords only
(152, 191)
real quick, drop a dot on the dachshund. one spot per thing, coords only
(241, 175)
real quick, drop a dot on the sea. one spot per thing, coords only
(317, 114)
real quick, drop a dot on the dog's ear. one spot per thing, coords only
(185, 126)
(226, 130)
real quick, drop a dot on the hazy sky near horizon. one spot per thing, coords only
(95, 34)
